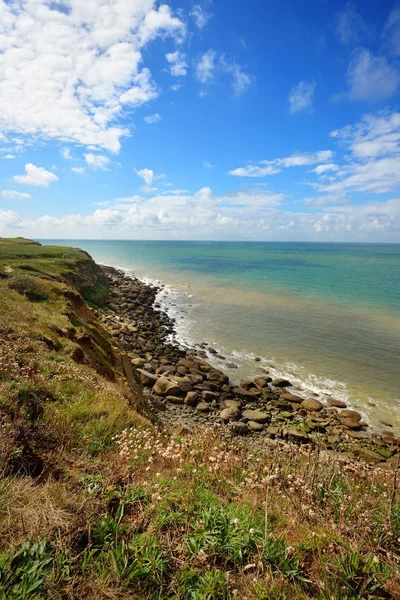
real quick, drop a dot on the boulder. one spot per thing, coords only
(262, 382)
(166, 387)
(242, 393)
(239, 428)
(351, 414)
(291, 398)
(350, 423)
(203, 407)
(253, 426)
(296, 436)
(175, 399)
(232, 404)
(311, 404)
(230, 365)
(369, 456)
(209, 396)
(281, 383)
(191, 398)
(255, 415)
(273, 432)
(336, 403)
(230, 414)
(147, 379)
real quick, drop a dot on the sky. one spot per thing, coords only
(203, 119)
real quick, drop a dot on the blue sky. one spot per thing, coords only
(264, 120)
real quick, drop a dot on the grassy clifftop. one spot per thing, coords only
(70, 265)
(97, 502)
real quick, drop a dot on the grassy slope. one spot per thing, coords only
(96, 502)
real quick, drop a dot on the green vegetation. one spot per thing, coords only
(96, 502)
(57, 263)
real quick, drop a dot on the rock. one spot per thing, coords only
(230, 365)
(203, 407)
(369, 456)
(311, 405)
(209, 396)
(253, 426)
(273, 432)
(262, 382)
(175, 399)
(232, 404)
(352, 414)
(255, 415)
(281, 383)
(336, 403)
(257, 359)
(248, 384)
(262, 370)
(78, 355)
(350, 423)
(296, 436)
(230, 414)
(239, 428)
(166, 387)
(147, 379)
(291, 398)
(242, 393)
(355, 435)
(327, 456)
(184, 383)
(191, 398)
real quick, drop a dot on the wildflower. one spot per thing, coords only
(235, 521)
(251, 530)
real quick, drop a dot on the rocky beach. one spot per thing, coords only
(184, 390)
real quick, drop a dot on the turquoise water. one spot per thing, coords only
(326, 315)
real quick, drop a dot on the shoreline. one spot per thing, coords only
(183, 386)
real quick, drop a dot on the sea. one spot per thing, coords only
(324, 315)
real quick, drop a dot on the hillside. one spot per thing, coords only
(98, 500)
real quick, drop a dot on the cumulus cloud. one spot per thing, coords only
(146, 174)
(371, 78)
(66, 153)
(78, 170)
(9, 156)
(35, 176)
(177, 63)
(237, 215)
(97, 161)
(301, 96)
(69, 74)
(200, 16)
(151, 119)
(14, 195)
(272, 167)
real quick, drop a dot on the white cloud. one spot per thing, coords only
(35, 176)
(146, 174)
(236, 215)
(240, 80)
(272, 167)
(176, 87)
(78, 170)
(351, 27)
(9, 156)
(8, 220)
(370, 78)
(68, 74)
(66, 153)
(14, 195)
(301, 96)
(200, 16)
(206, 66)
(177, 63)
(374, 136)
(208, 165)
(97, 161)
(151, 119)
(210, 64)
(321, 169)
(391, 32)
